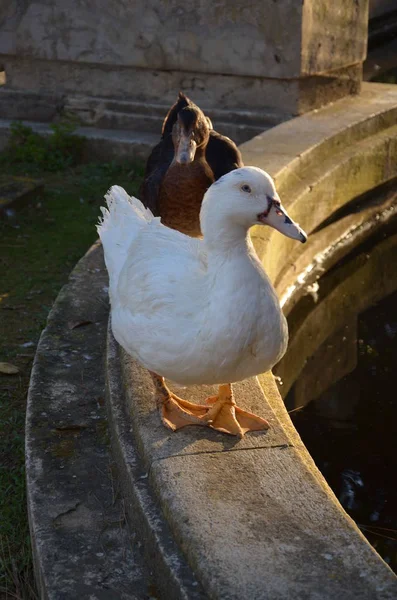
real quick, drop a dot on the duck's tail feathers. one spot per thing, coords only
(121, 222)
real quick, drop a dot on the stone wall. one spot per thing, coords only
(285, 57)
(280, 40)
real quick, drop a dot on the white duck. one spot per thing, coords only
(198, 311)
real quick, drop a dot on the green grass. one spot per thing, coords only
(38, 248)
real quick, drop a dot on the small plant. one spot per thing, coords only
(56, 152)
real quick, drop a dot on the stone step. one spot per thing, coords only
(117, 114)
(102, 144)
(107, 119)
(160, 110)
(110, 113)
(26, 105)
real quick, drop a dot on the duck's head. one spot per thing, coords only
(190, 132)
(246, 197)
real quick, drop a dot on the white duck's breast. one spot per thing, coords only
(248, 332)
(237, 332)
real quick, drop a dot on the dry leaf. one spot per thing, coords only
(74, 324)
(8, 368)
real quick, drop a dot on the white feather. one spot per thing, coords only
(121, 223)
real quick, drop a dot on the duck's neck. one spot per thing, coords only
(200, 152)
(223, 238)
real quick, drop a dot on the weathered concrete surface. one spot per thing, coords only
(243, 519)
(285, 56)
(254, 517)
(260, 39)
(82, 546)
(58, 79)
(156, 443)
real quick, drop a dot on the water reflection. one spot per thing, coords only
(350, 429)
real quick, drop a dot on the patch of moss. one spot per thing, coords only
(60, 150)
(102, 432)
(64, 448)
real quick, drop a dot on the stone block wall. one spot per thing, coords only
(280, 57)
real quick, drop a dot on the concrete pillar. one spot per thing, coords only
(279, 57)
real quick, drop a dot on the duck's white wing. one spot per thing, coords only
(145, 259)
(161, 297)
(158, 282)
(165, 271)
(123, 220)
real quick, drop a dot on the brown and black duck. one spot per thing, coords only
(187, 160)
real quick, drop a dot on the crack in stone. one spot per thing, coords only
(66, 512)
(202, 452)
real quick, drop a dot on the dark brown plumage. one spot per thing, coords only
(179, 170)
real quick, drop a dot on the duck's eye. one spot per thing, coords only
(246, 188)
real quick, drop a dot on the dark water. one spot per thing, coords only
(351, 430)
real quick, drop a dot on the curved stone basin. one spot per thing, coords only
(342, 402)
(367, 280)
(223, 518)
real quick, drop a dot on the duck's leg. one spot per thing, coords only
(224, 415)
(176, 412)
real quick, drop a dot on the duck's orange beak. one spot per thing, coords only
(186, 149)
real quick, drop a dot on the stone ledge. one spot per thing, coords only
(82, 547)
(320, 162)
(254, 517)
(172, 575)
(289, 149)
(330, 186)
(292, 94)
